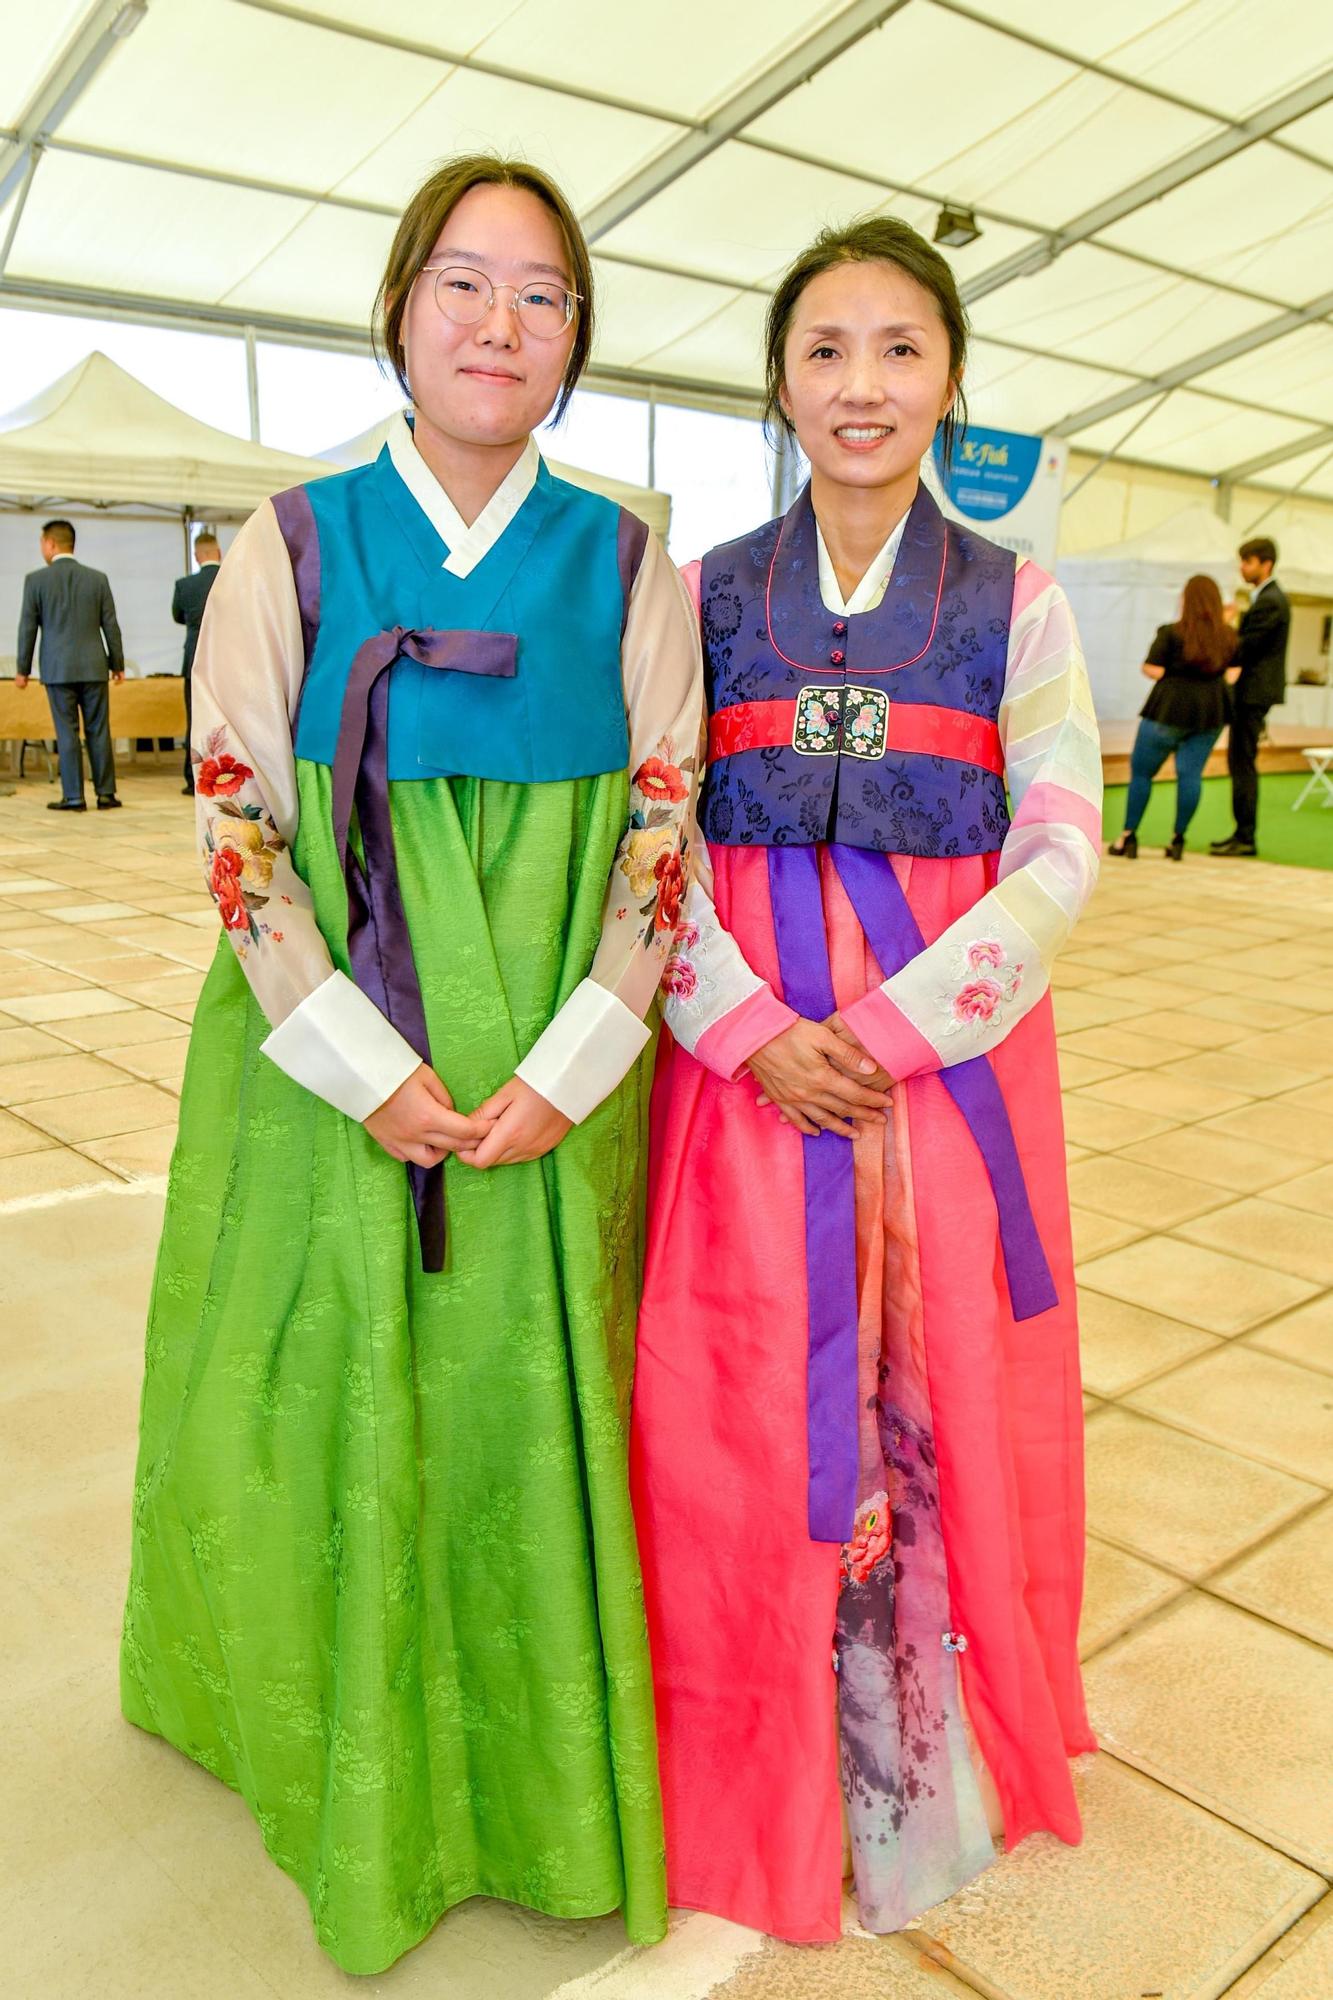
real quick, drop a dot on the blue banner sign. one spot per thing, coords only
(991, 472)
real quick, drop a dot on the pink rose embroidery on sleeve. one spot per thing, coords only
(987, 981)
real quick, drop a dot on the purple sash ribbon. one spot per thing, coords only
(831, 1418)
(379, 944)
(894, 936)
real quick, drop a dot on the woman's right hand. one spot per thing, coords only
(418, 1124)
(803, 1074)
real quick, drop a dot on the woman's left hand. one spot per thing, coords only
(857, 1057)
(526, 1127)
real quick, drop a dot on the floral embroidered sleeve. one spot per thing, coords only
(600, 1031)
(246, 680)
(963, 993)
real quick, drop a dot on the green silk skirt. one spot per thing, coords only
(384, 1577)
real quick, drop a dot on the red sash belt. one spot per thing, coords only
(914, 727)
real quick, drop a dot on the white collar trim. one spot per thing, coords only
(873, 584)
(467, 546)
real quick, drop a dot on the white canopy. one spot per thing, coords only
(98, 436)
(645, 501)
(1122, 593)
(1152, 185)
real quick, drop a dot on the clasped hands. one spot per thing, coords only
(420, 1125)
(817, 1076)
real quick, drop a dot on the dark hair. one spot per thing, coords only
(875, 239)
(418, 232)
(1206, 640)
(59, 532)
(1261, 547)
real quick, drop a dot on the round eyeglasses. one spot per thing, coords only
(466, 296)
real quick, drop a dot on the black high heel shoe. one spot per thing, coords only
(1127, 845)
(1176, 851)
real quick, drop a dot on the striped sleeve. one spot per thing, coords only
(963, 993)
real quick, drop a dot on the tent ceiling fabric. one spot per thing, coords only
(234, 159)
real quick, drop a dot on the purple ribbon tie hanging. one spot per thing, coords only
(379, 944)
(830, 1215)
(894, 936)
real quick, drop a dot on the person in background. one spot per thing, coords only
(1263, 682)
(187, 608)
(71, 605)
(1189, 663)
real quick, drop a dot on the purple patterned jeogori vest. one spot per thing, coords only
(878, 730)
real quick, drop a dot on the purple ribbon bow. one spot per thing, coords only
(379, 944)
(894, 936)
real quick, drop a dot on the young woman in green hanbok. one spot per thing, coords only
(446, 710)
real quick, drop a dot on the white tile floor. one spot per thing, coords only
(1195, 1008)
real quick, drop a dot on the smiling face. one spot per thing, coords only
(866, 373)
(493, 382)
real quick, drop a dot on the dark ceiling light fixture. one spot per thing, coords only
(956, 227)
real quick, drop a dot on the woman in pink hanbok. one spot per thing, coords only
(857, 1426)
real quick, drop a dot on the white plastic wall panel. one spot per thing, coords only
(1093, 305)
(125, 229)
(328, 268)
(231, 88)
(1017, 392)
(741, 214)
(640, 312)
(32, 39)
(1261, 219)
(1294, 373)
(589, 148)
(1193, 432)
(726, 348)
(683, 62)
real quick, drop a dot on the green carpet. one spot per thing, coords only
(1301, 839)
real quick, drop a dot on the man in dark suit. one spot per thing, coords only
(1263, 682)
(187, 608)
(72, 607)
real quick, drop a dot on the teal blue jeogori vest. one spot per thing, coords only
(366, 560)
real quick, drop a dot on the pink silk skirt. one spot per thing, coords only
(971, 1429)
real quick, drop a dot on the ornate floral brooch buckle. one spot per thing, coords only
(865, 721)
(831, 719)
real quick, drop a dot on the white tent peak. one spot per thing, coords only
(99, 435)
(647, 502)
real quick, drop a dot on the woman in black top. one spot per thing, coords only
(1190, 664)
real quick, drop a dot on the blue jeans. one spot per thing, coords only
(1153, 744)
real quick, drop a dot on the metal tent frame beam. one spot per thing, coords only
(288, 330)
(1249, 468)
(791, 70)
(109, 23)
(1309, 96)
(1198, 364)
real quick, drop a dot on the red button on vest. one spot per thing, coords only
(837, 658)
(840, 627)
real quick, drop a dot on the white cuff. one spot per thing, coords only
(338, 1044)
(590, 1047)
